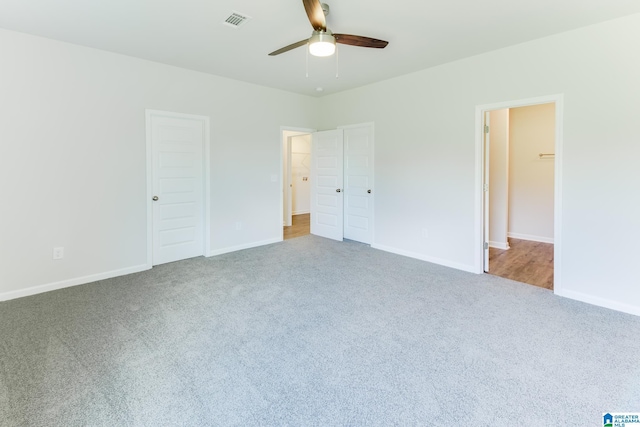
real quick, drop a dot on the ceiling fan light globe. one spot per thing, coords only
(322, 45)
(322, 49)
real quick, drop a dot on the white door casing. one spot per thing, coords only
(327, 184)
(358, 183)
(485, 188)
(178, 146)
(480, 215)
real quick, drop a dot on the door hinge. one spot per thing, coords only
(485, 187)
(486, 245)
(486, 129)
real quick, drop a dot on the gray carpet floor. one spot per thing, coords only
(311, 332)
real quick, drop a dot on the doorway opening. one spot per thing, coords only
(296, 163)
(520, 164)
(328, 182)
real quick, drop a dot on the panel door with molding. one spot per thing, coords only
(358, 183)
(177, 179)
(327, 184)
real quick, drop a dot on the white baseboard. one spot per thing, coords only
(300, 212)
(530, 237)
(244, 246)
(33, 290)
(601, 302)
(434, 260)
(499, 245)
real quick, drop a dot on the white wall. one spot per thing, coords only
(425, 153)
(72, 155)
(300, 162)
(499, 179)
(72, 158)
(531, 178)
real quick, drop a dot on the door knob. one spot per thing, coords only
(369, 191)
(155, 198)
(338, 190)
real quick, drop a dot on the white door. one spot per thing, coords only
(326, 184)
(177, 155)
(358, 183)
(485, 190)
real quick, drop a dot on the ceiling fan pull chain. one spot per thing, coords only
(307, 61)
(337, 62)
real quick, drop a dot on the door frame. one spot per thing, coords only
(206, 177)
(287, 188)
(558, 100)
(285, 167)
(486, 195)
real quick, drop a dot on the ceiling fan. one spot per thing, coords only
(322, 41)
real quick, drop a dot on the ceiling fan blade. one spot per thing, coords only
(360, 41)
(315, 14)
(290, 47)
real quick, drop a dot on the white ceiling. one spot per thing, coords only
(191, 33)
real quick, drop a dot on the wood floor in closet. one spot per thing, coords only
(526, 261)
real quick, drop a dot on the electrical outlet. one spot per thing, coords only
(58, 253)
(238, 225)
(425, 233)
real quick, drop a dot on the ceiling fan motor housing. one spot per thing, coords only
(322, 43)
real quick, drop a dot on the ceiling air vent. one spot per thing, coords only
(236, 19)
